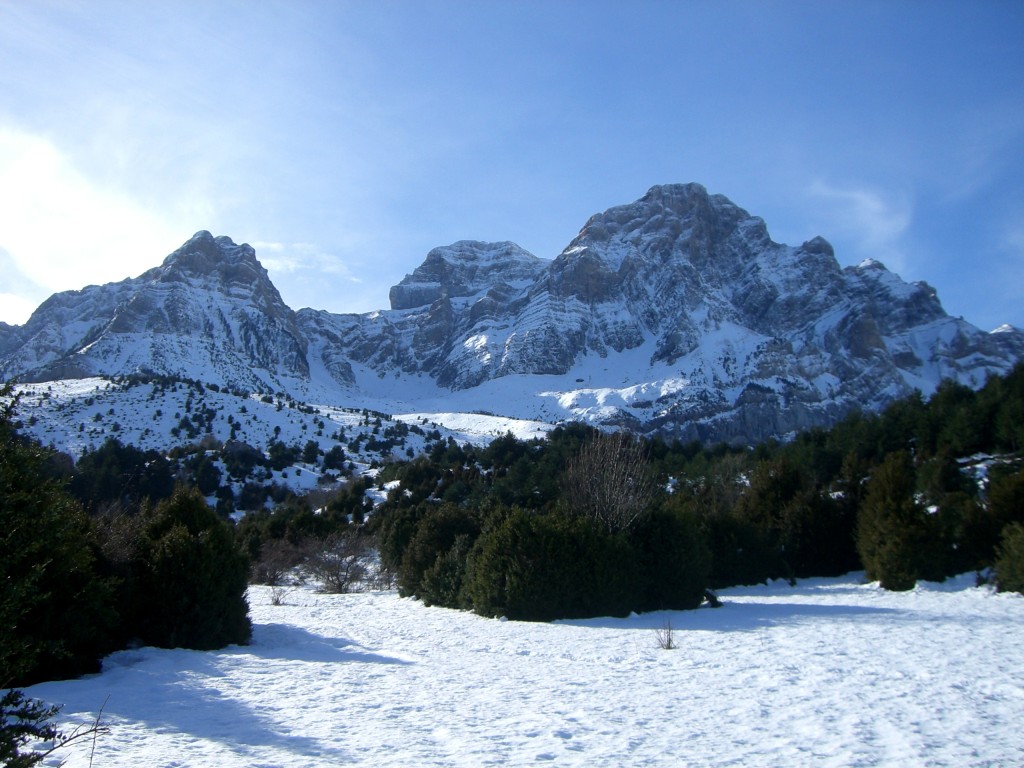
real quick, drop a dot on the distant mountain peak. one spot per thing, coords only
(464, 268)
(204, 255)
(210, 309)
(676, 314)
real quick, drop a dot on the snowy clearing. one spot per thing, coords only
(832, 672)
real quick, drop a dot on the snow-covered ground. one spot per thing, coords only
(832, 672)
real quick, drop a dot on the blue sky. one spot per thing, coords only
(343, 140)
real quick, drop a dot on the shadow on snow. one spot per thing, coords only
(176, 690)
(738, 617)
(288, 642)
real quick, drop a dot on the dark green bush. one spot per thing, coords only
(441, 583)
(435, 534)
(1009, 566)
(539, 567)
(122, 474)
(817, 536)
(184, 577)
(674, 558)
(1006, 495)
(741, 552)
(56, 610)
(898, 541)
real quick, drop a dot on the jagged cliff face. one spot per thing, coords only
(674, 314)
(208, 312)
(729, 335)
(445, 316)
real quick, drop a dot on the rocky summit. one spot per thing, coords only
(676, 314)
(208, 312)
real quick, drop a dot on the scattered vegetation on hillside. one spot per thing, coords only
(584, 523)
(131, 545)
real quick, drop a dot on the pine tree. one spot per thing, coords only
(190, 578)
(55, 609)
(895, 537)
(24, 721)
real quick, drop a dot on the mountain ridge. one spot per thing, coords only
(681, 293)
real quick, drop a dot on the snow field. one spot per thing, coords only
(832, 672)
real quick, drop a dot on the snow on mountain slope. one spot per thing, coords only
(208, 312)
(80, 415)
(680, 286)
(675, 314)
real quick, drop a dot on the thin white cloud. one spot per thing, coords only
(873, 222)
(261, 245)
(60, 230)
(1010, 271)
(291, 258)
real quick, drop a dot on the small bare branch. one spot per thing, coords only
(665, 637)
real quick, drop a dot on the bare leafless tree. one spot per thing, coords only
(665, 636)
(609, 481)
(277, 562)
(341, 563)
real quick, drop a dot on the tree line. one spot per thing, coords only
(583, 522)
(586, 523)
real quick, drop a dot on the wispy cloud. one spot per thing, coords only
(874, 222)
(297, 258)
(60, 230)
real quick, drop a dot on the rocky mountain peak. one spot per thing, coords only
(670, 221)
(217, 262)
(210, 306)
(675, 313)
(819, 246)
(464, 269)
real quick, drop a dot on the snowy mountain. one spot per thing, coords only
(674, 314)
(208, 312)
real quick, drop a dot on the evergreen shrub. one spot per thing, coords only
(540, 567)
(898, 541)
(56, 608)
(187, 578)
(435, 534)
(1009, 568)
(674, 558)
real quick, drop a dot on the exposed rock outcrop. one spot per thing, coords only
(675, 314)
